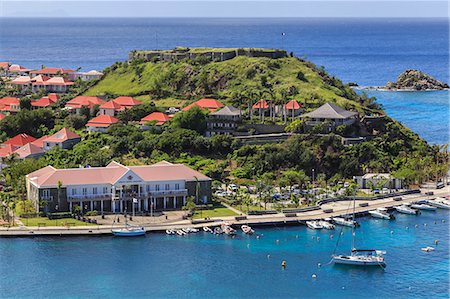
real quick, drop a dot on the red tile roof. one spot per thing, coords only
(261, 104)
(27, 150)
(40, 141)
(127, 101)
(84, 101)
(9, 101)
(293, 105)
(18, 68)
(53, 96)
(20, 140)
(58, 81)
(62, 135)
(4, 65)
(205, 103)
(52, 71)
(102, 121)
(7, 149)
(22, 80)
(111, 105)
(43, 102)
(49, 176)
(159, 117)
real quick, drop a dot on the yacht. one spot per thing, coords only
(439, 203)
(359, 257)
(247, 229)
(407, 210)
(422, 206)
(228, 230)
(381, 213)
(129, 231)
(326, 224)
(314, 225)
(344, 222)
(207, 230)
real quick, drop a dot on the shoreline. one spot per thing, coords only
(383, 88)
(340, 208)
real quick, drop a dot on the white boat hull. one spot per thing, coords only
(126, 232)
(357, 261)
(439, 205)
(379, 215)
(313, 225)
(423, 207)
(405, 210)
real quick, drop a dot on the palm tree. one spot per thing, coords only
(59, 187)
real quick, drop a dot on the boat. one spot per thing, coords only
(228, 230)
(326, 224)
(170, 232)
(359, 257)
(314, 225)
(207, 230)
(247, 229)
(194, 230)
(427, 249)
(187, 230)
(381, 213)
(180, 232)
(406, 210)
(344, 222)
(423, 206)
(439, 203)
(128, 230)
(218, 231)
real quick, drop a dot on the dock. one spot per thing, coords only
(332, 209)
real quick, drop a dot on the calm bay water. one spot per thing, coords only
(367, 51)
(208, 266)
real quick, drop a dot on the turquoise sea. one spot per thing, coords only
(208, 266)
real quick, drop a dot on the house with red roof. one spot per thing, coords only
(6, 150)
(29, 150)
(84, 101)
(9, 105)
(52, 72)
(158, 118)
(127, 102)
(40, 141)
(51, 84)
(117, 105)
(64, 139)
(161, 186)
(260, 107)
(4, 68)
(46, 101)
(101, 123)
(20, 140)
(205, 103)
(293, 108)
(85, 76)
(15, 70)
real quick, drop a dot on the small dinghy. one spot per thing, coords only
(180, 232)
(247, 229)
(314, 225)
(406, 210)
(207, 230)
(427, 249)
(423, 207)
(326, 224)
(170, 232)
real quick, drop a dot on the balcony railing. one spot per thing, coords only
(89, 196)
(168, 192)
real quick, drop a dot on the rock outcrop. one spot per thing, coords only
(416, 80)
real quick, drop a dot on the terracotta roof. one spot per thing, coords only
(62, 135)
(49, 176)
(85, 101)
(159, 117)
(261, 104)
(7, 149)
(127, 101)
(2, 116)
(27, 150)
(53, 96)
(9, 101)
(210, 104)
(111, 105)
(20, 140)
(40, 80)
(18, 68)
(58, 81)
(330, 111)
(52, 71)
(102, 121)
(293, 105)
(4, 65)
(22, 80)
(43, 102)
(40, 141)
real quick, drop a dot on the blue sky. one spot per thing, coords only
(223, 8)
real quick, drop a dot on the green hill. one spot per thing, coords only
(239, 79)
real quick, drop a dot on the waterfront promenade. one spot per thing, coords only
(339, 208)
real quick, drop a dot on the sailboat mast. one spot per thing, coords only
(353, 219)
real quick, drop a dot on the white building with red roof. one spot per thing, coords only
(161, 186)
(46, 101)
(29, 150)
(9, 105)
(64, 139)
(117, 105)
(51, 72)
(51, 84)
(17, 70)
(20, 140)
(158, 118)
(101, 123)
(205, 103)
(84, 101)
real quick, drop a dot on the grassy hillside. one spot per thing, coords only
(240, 79)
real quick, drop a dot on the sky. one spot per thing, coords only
(223, 8)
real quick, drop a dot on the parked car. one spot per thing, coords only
(346, 184)
(376, 191)
(233, 187)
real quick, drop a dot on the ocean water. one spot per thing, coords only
(208, 266)
(367, 51)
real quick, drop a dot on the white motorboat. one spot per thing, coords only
(326, 224)
(247, 229)
(439, 203)
(207, 230)
(129, 231)
(228, 230)
(406, 210)
(170, 232)
(218, 231)
(193, 230)
(427, 249)
(422, 206)
(360, 257)
(381, 213)
(344, 222)
(314, 225)
(187, 230)
(180, 232)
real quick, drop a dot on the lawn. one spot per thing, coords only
(44, 221)
(243, 208)
(217, 211)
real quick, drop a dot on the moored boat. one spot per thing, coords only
(247, 229)
(218, 231)
(314, 225)
(326, 224)
(381, 213)
(228, 230)
(423, 207)
(170, 232)
(438, 203)
(344, 222)
(180, 232)
(207, 230)
(406, 210)
(129, 231)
